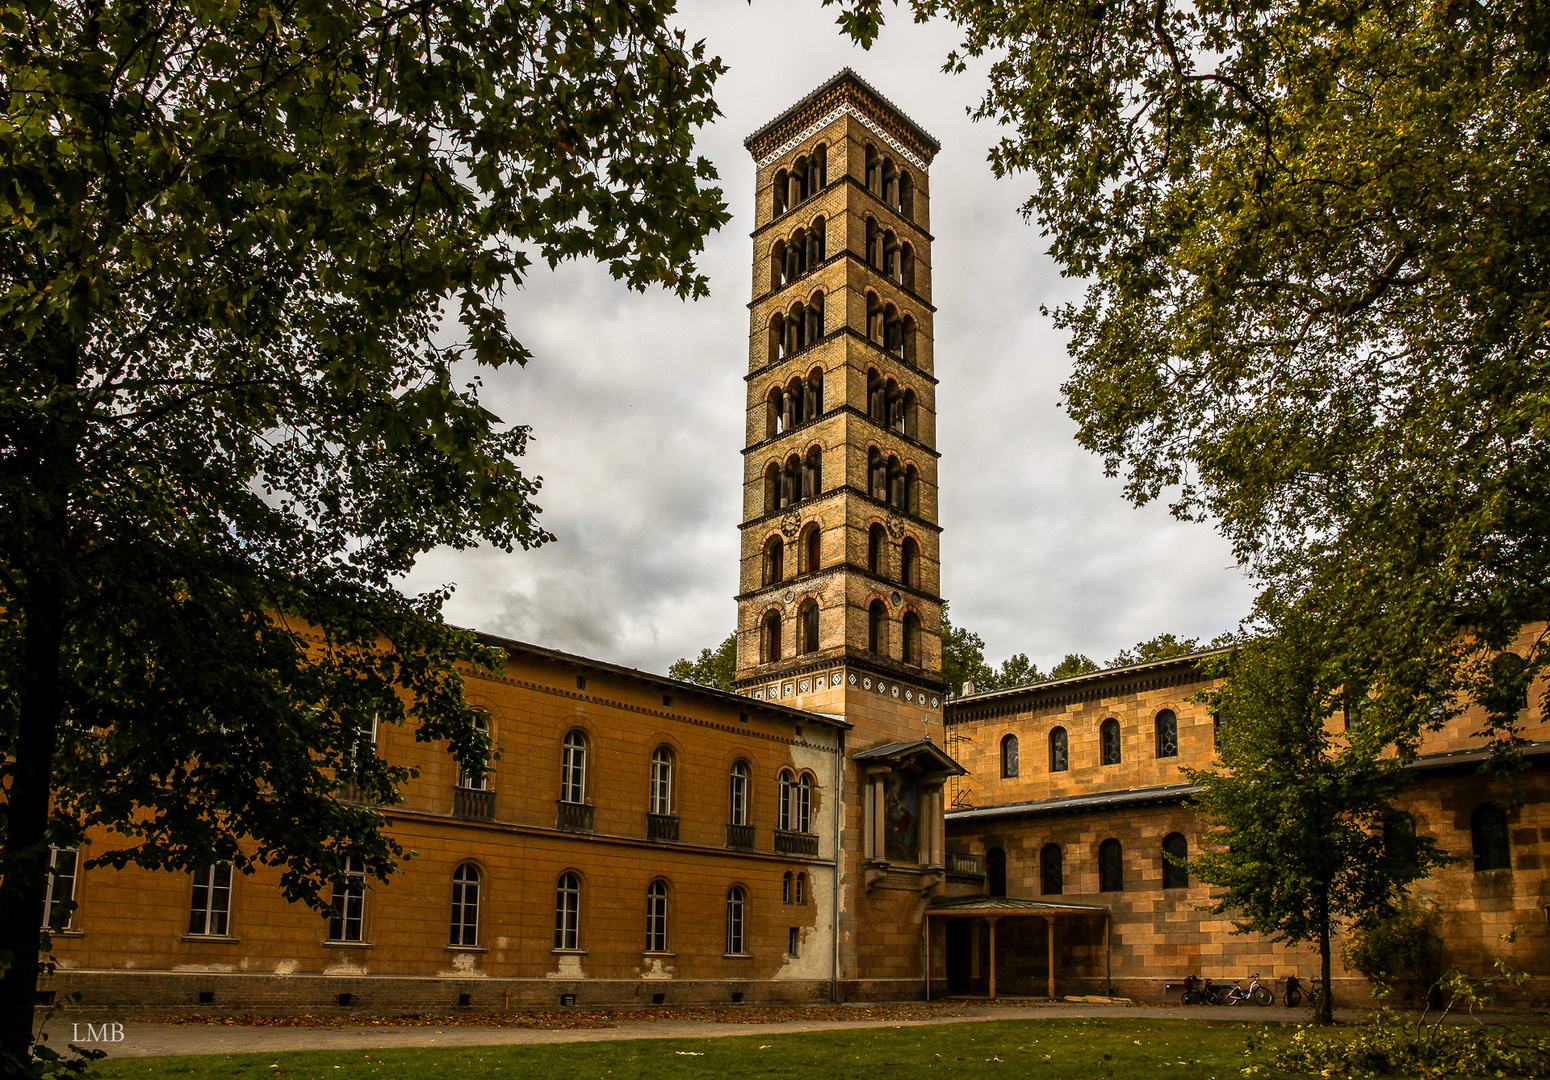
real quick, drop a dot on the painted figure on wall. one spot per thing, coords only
(901, 804)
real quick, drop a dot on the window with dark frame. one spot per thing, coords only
(1167, 734)
(1175, 877)
(210, 907)
(349, 902)
(59, 890)
(1108, 738)
(1059, 756)
(736, 902)
(656, 917)
(1051, 871)
(573, 768)
(567, 913)
(1111, 866)
(465, 906)
(1008, 756)
(1488, 832)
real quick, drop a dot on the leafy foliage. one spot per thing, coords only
(710, 668)
(1385, 1045)
(244, 248)
(1404, 942)
(1294, 812)
(1317, 241)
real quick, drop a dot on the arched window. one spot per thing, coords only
(573, 768)
(567, 913)
(737, 800)
(1059, 759)
(818, 169)
(890, 192)
(815, 330)
(877, 628)
(995, 872)
(910, 502)
(1008, 756)
(1051, 872)
(1175, 877)
(478, 777)
(787, 886)
(877, 474)
(771, 636)
(785, 816)
(893, 331)
(796, 256)
(465, 905)
(911, 638)
(791, 482)
(1111, 866)
(774, 412)
(797, 182)
(874, 171)
(781, 189)
(817, 248)
(791, 414)
(801, 889)
(906, 204)
(812, 473)
(812, 548)
(796, 331)
(1167, 734)
(907, 266)
(777, 336)
(774, 560)
(656, 916)
(1488, 831)
(1108, 740)
(662, 781)
(874, 319)
(895, 483)
(772, 487)
(911, 415)
(875, 549)
(890, 265)
(906, 350)
(777, 264)
(876, 396)
(807, 626)
(1510, 681)
(803, 819)
(736, 902)
(909, 563)
(813, 399)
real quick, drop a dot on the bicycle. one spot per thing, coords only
(1295, 992)
(1259, 995)
(1200, 991)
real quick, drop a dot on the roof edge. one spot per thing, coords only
(845, 74)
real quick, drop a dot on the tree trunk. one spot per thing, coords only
(24, 859)
(1326, 1014)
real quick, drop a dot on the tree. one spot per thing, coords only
(963, 657)
(1404, 941)
(247, 252)
(711, 668)
(1158, 648)
(1072, 664)
(1294, 812)
(1316, 237)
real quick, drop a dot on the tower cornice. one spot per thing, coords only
(845, 94)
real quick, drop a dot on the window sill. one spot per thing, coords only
(332, 943)
(64, 933)
(466, 948)
(214, 939)
(660, 955)
(568, 952)
(737, 956)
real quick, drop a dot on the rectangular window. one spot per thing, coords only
(210, 910)
(793, 939)
(60, 890)
(349, 903)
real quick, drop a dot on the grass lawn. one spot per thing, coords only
(1129, 1049)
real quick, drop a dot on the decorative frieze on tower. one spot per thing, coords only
(839, 609)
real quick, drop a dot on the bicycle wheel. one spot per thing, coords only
(1262, 995)
(1233, 996)
(1293, 998)
(1192, 997)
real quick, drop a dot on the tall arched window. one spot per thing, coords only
(807, 626)
(818, 169)
(906, 266)
(877, 628)
(777, 336)
(737, 801)
(817, 249)
(909, 563)
(1009, 756)
(906, 205)
(736, 903)
(774, 418)
(1051, 871)
(812, 473)
(772, 487)
(875, 549)
(801, 889)
(791, 483)
(1175, 877)
(656, 916)
(780, 190)
(465, 905)
(911, 414)
(812, 543)
(1167, 734)
(874, 171)
(787, 886)
(573, 768)
(910, 638)
(813, 398)
(476, 778)
(803, 816)
(1111, 866)
(910, 502)
(814, 331)
(995, 872)
(770, 633)
(874, 319)
(567, 913)
(1488, 831)
(877, 474)
(1059, 758)
(1108, 739)
(906, 350)
(774, 560)
(895, 483)
(786, 789)
(662, 781)
(876, 396)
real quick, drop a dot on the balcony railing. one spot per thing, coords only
(473, 802)
(964, 862)
(662, 827)
(796, 843)
(574, 817)
(740, 836)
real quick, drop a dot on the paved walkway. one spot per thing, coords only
(142, 1038)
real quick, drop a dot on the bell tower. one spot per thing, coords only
(839, 607)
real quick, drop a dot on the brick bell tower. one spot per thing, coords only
(839, 609)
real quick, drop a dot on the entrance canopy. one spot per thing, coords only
(995, 908)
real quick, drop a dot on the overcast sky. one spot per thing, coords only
(636, 405)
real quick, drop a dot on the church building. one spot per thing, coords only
(838, 827)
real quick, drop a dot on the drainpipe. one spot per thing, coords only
(839, 862)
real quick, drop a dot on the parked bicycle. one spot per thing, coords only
(1259, 995)
(1198, 991)
(1295, 992)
